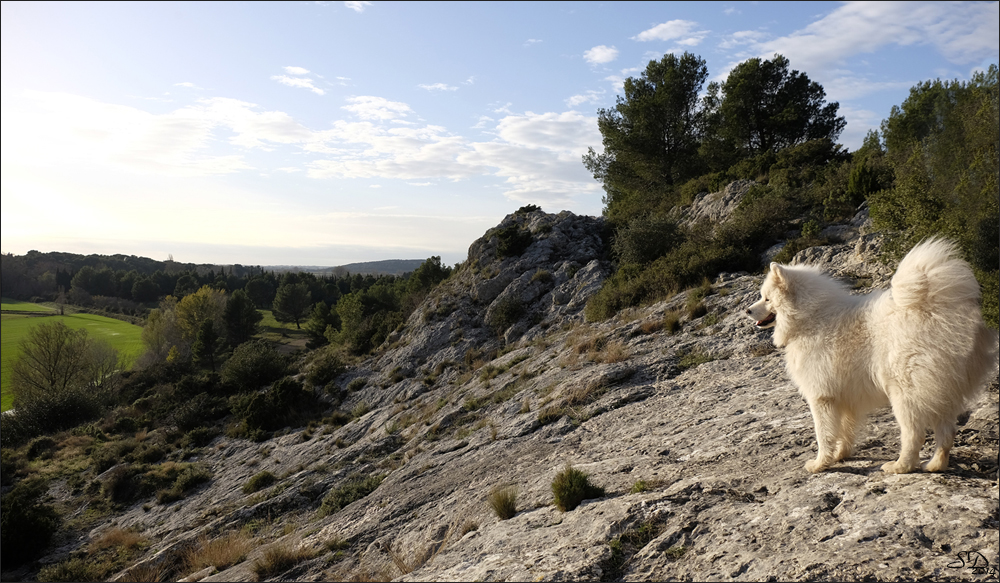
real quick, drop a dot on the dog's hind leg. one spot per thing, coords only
(911, 439)
(944, 438)
(825, 419)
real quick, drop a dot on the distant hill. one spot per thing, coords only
(385, 267)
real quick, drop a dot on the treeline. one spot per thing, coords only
(930, 169)
(45, 275)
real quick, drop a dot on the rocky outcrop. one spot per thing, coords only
(697, 437)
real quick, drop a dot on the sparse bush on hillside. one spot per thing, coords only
(571, 486)
(325, 367)
(26, 525)
(259, 481)
(253, 365)
(286, 403)
(513, 241)
(355, 488)
(506, 313)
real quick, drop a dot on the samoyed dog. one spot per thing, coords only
(920, 347)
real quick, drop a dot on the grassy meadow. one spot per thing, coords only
(124, 337)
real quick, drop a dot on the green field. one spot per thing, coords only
(19, 306)
(124, 337)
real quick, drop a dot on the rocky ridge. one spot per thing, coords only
(698, 438)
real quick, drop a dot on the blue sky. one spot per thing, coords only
(323, 133)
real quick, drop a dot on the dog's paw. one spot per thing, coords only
(814, 466)
(934, 465)
(896, 468)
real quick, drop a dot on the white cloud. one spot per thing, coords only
(964, 33)
(680, 31)
(600, 54)
(357, 6)
(438, 87)
(298, 82)
(296, 71)
(731, 11)
(187, 84)
(591, 96)
(379, 108)
(470, 81)
(743, 38)
(420, 183)
(531, 41)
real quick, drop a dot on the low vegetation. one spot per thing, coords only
(571, 487)
(503, 501)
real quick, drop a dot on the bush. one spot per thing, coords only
(286, 403)
(325, 367)
(47, 413)
(253, 365)
(506, 312)
(513, 241)
(188, 479)
(355, 488)
(259, 482)
(645, 239)
(41, 447)
(26, 526)
(503, 501)
(571, 486)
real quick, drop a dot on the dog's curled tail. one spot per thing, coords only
(933, 277)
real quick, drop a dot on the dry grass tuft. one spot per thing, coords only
(279, 559)
(118, 537)
(221, 553)
(503, 501)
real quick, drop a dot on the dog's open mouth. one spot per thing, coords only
(766, 321)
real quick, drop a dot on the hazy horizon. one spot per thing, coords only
(343, 132)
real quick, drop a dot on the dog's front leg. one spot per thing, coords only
(826, 422)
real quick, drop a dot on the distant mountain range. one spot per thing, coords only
(384, 267)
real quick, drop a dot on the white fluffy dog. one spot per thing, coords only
(920, 346)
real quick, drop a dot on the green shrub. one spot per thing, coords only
(506, 312)
(41, 447)
(259, 481)
(286, 403)
(503, 501)
(188, 479)
(571, 486)
(644, 239)
(325, 367)
(198, 437)
(26, 525)
(355, 488)
(512, 241)
(125, 425)
(253, 365)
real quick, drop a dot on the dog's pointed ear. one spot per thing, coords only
(778, 273)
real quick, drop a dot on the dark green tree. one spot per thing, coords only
(320, 319)
(145, 290)
(261, 291)
(241, 318)
(650, 137)
(292, 303)
(764, 107)
(206, 346)
(942, 145)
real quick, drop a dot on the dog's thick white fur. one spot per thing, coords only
(920, 346)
